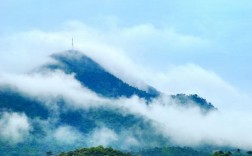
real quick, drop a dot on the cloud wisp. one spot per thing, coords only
(14, 127)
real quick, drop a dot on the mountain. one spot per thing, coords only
(47, 123)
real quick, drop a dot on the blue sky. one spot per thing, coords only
(219, 31)
(180, 46)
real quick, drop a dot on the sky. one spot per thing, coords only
(177, 46)
(223, 26)
(208, 41)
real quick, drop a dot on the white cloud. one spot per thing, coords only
(130, 141)
(67, 135)
(14, 127)
(102, 136)
(193, 79)
(50, 86)
(187, 126)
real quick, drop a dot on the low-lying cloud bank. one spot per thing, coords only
(185, 126)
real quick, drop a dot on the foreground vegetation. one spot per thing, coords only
(95, 151)
(164, 151)
(167, 151)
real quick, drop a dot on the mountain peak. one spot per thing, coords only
(93, 76)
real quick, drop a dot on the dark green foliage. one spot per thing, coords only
(172, 151)
(95, 151)
(221, 153)
(236, 152)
